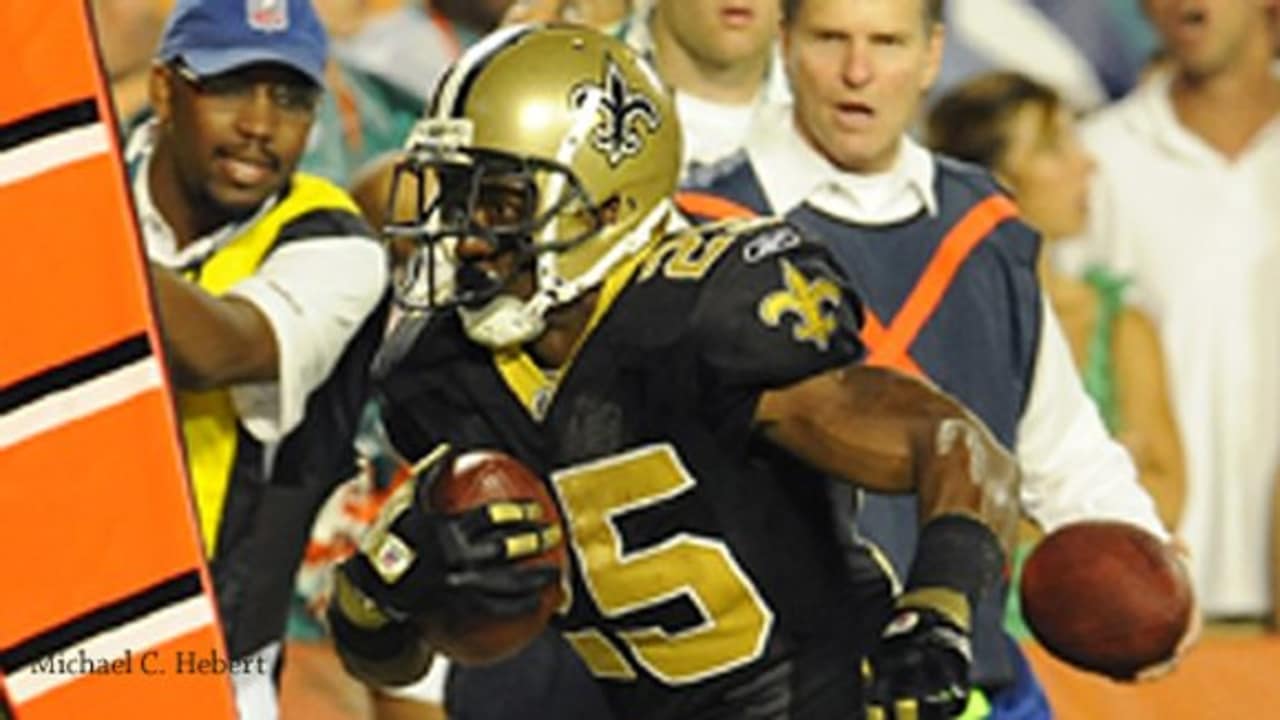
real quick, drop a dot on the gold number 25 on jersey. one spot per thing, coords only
(735, 620)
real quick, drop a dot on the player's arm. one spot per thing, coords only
(212, 341)
(892, 433)
(778, 327)
(372, 186)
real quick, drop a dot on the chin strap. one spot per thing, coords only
(561, 291)
(505, 321)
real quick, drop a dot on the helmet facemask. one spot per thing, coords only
(522, 206)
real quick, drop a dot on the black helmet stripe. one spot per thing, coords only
(455, 86)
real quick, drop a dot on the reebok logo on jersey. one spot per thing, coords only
(769, 244)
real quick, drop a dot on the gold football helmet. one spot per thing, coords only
(557, 143)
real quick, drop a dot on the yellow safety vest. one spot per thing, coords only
(209, 421)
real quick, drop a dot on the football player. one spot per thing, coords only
(683, 391)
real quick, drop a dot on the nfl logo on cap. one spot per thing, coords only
(268, 15)
(212, 37)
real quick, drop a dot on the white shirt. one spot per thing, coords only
(1016, 35)
(711, 131)
(1200, 235)
(314, 294)
(1072, 469)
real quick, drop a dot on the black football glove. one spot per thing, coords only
(415, 560)
(920, 670)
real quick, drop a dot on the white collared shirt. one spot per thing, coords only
(795, 172)
(314, 294)
(1072, 468)
(1199, 234)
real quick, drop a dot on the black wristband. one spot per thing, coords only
(393, 654)
(957, 552)
(378, 645)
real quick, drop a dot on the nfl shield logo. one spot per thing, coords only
(268, 15)
(392, 558)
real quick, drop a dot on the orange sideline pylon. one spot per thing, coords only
(107, 609)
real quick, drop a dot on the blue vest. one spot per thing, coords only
(978, 342)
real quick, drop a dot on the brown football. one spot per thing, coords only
(1107, 597)
(476, 478)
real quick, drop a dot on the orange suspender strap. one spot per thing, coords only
(97, 531)
(712, 207)
(889, 346)
(873, 335)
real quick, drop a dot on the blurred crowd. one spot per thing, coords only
(1140, 138)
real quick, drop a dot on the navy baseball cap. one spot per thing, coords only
(216, 36)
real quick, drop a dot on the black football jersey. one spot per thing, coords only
(708, 578)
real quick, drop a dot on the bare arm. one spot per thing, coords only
(889, 432)
(1275, 553)
(893, 433)
(371, 189)
(1149, 430)
(130, 93)
(210, 341)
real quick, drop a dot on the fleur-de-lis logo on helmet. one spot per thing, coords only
(624, 114)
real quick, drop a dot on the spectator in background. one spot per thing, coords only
(719, 57)
(1273, 22)
(1184, 203)
(268, 286)
(898, 219)
(362, 114)
(1086, 50)
(1021, 131)
(986, 35)
(409, 47)
(614, 17)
